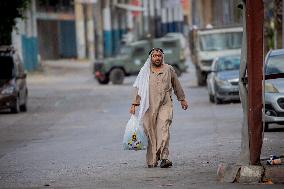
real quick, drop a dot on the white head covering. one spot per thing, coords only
(142, 84)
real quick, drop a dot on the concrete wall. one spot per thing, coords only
(25, 39)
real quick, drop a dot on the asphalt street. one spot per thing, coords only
(71, 136)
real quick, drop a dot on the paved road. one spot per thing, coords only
(71, 137)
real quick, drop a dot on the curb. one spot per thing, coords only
(249, 174)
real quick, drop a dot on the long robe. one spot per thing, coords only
(158, 118)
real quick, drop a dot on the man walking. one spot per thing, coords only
(154, 85)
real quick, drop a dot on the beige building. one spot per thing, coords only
(214, 12)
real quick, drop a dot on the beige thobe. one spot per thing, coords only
(158, 117)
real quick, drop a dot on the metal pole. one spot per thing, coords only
(254, 24)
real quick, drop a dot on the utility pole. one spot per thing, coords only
(80, 30)
(254, 24)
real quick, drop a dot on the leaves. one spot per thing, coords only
(9, 11)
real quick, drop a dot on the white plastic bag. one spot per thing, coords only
(134, 137)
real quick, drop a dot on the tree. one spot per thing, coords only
(9, 11)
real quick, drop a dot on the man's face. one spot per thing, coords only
(157, 58)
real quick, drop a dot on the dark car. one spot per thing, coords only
(133, 56)
(13, 87)
(223, 81)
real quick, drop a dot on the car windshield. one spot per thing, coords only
(275, 65)
(125, 50)
(230, 63)
(220, 41)
(6, 68)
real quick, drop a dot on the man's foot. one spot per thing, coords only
(152, 166)
(166, 163)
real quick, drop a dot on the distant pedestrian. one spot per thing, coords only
(153, 93)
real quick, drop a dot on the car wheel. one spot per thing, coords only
(217, 100)
(117, 76)
(16, 108)
(177, 70)
(103, 81)
(266, 127)
(24, 107)
(211, 98)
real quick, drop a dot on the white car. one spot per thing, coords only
(274, 88)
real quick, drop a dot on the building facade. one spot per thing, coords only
(95, 29)
(215, 13)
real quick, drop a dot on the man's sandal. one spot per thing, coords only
(166, 163)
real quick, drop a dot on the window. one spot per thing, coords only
(125, 50)
(6, 67)
(169, 44)
(230, 63)
(275, 65)
(140, 51)
(220, 41)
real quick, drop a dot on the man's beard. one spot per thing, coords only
(157, 65)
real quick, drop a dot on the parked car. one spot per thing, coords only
(223, 80)
(133, 56)
(274, 88)
(183, 40)
(208, 43)
(13, 86)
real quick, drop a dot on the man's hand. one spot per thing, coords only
(132, 109)
(184, 104)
